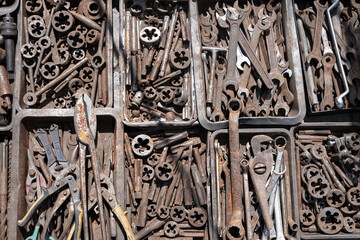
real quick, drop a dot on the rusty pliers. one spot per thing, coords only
(68, 177)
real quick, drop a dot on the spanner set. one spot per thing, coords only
(330, 53)
(245, 57)
(189, 119)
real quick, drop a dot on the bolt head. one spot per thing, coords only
(260, 168)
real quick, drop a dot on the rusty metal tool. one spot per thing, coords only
(85, 127)
(339, 99)
(315, 53)
(260, 168)
(3, 183)
(108, 193)
(67, 178)
(235, 229)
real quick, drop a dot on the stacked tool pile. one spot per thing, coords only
(160, 119)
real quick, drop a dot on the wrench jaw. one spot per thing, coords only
(282, 108)
(230, 87)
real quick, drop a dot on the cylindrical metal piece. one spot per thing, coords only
(169, 42)
(5, 89)
(170, 140)
(154, 224)
(9, 32)
(156, 66)
(187, 185)
(142, 214)
(200, 191)
(200, 165)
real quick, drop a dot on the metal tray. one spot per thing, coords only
(308, 104)
(107, 122)
(124, 72)
(298, 109)
(193, 132)
(20, 82)
(245, 135)
(335, 127)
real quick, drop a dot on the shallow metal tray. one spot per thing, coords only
(124, 72)
(298, 109)
(106, 122)
(20, 82)
(334, 127)
(245, 135)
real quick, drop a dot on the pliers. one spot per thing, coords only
(108, 193)
(68, 177)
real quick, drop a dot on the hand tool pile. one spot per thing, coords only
(244, 56)
(166, 176)
(62, 192)
(157, 48)
(5, 153)
(63, 52)
(329, 193)
(254, 192)
(324, 79)
(8, 31)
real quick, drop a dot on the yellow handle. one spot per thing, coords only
(124, 222)
(76, 227)
(33, 208)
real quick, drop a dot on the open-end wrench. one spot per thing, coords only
(249, 51)
(315, 53)
(230, 83)
(245, 168)
(217, 114)
(255, 33)
(275, 73)
(214, 51)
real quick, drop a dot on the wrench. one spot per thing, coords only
(275, 73)
(217, 114)
(235, 229)
(249, 51)
(310, 77)
(327, 102)
(234, 18)
(315, 53)
(214, 51)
